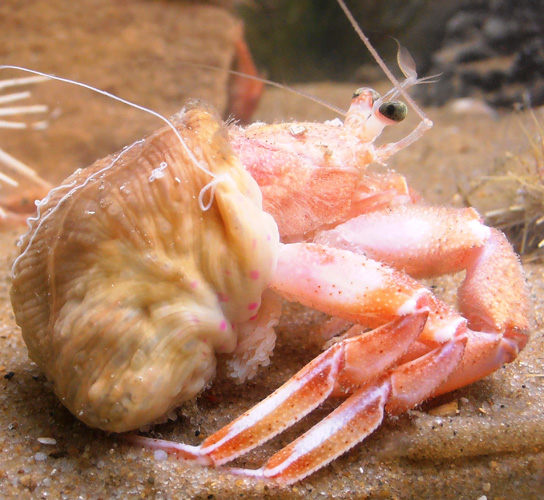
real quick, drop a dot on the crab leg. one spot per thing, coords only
(338, 370)
(353, 366)
(331, 371)
(335, 372)
(429, 241)
(362, 413)
(423, 348)
(501, 310)
(349, 424)
(372, 294)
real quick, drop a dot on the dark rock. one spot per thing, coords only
(471, 50)
(501, 31)
(474, 52)
(487, 81)
(529, 62)
(537, 94)
(464, 24)
(493, 49)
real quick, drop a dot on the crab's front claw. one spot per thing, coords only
(336, 371)
(430, 241)
(372, 387)
(495, 300)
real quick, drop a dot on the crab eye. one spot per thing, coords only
(359, 91)
(394, 110)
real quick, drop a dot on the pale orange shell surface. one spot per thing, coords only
(126, 288)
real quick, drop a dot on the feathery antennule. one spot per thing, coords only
(406, 64)
(408, 67)
(426, 123)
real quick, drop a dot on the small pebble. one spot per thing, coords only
(445, 410)
(40, 457)
(297, 130)
(160, 455)
(46, 440)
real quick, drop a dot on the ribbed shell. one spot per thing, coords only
(126, 288)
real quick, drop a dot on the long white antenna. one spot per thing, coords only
(190, 154)
(119, 99)
(272, 83)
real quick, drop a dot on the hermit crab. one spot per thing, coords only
(139, 269)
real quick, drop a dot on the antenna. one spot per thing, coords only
(424, 118)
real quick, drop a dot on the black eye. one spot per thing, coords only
(359, 91)
(394, 110)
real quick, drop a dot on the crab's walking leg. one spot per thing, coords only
(495, 300)
(363, 412)
(430, 241)
(346, 284)
(362, 367)
(353, 366)
(331, 371)
(423, 348)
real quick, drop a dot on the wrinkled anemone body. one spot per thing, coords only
(126, 289)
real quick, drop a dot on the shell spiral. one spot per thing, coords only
(126, 289)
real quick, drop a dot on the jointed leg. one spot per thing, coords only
(429, 241)
(363, 367)
(336, 371)
(423, 347)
